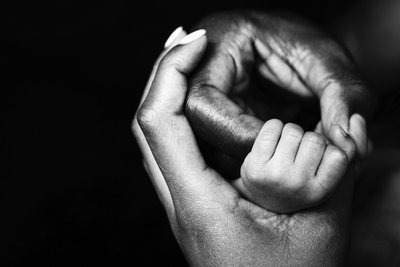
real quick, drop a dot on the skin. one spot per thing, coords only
(369, 223)
(289, 170)
(212, 222)
(264, 65)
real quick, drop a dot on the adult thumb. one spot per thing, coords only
(349, 112)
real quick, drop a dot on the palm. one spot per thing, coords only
(247, 227)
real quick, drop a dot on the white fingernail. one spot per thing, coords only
(192, 37)
(173, 36)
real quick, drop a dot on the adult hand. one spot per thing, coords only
(247, 51)
(213, 224)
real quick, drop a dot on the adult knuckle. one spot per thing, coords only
(147, 118)
(194, 101)
(135, 128)
(170, 61)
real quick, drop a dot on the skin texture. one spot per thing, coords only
(260, 66)
(212, 222)
(289, 170)
(375, 220)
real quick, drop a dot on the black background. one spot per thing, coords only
(72, 188)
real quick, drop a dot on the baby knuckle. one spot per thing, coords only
(255, 176)
(314, 139)
(296, 185)
(292, 130)
(269, 135)
(274, 175)
(336, 154)
(271, 130)
(252, 172)
(317, 195)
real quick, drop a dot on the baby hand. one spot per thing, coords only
(289, 170)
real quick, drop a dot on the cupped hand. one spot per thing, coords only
(260, 66)
(213, 224)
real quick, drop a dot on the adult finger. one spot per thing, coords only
(172, 40)
(358, 131)
(345, 99)
(225, 72)
(149, 162)
(318, 66)
(168, 132)
(340, 138)
(341, 109)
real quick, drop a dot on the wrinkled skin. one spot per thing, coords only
(374, 225)
(260, 66)
(212, 222)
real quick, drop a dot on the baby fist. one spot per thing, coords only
(289, 170)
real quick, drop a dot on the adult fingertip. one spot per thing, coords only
(170, 80)
(340, 138)
(359, 117)
(358, 131)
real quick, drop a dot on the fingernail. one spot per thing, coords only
(192, 37)
(173, 36)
